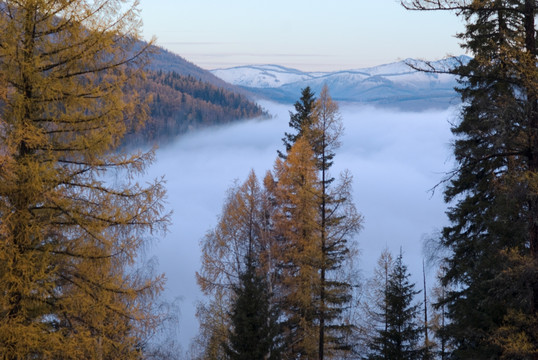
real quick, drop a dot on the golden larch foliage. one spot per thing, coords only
(69, 232)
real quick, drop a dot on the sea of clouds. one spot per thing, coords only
(395, 159)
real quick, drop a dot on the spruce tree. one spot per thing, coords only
(69, 233)
(242, 231)
(336, 221)
(398, 337)
(493, 236)
(300, 120)
(254, 329)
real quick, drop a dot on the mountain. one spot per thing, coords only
(397, 84)
(167, 61)
(184, 97)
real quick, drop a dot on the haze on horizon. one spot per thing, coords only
(309, 35)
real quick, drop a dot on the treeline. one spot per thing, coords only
(179, 103)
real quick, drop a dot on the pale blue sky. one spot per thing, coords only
(303, 34)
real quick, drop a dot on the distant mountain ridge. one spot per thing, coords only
(395, 84)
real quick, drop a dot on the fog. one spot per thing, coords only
(395, 159)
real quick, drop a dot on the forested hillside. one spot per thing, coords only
(179, 103)
(164, 60)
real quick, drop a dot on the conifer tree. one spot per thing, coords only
(68, 232)
(336, 221)
(398, 337)
(299, 231)
(298, 238)
(299, 120)
(242, 231)
(374, 304)
(493, 237)
(254, 327)
(439, 319)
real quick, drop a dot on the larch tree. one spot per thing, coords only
(69, 233)
(374, 305)
(242, 233)
(318, 122)
(493, 237)
(339, 221)
(296, 222)
(438, 318)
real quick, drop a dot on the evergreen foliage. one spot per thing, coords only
(300, 120)
(334, 220)
(338, 219)
(254, 327)
(300, 227)
(242, 231)
(182, 103)
(398, 336)
(493, 236)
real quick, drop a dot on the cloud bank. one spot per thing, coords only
(395, 158)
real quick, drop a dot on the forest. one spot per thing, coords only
(179, 103)
(280, 267)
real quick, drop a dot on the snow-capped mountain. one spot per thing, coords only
(396, 83)
(261, 76)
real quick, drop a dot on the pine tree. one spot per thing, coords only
(493, 239)
(398, 338)
(68, 233)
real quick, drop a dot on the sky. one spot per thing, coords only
(395, 157)
(392, 176)
(310, 35)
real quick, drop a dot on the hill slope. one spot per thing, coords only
(395, 84)
(185, 97)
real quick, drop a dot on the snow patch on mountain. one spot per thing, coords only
(261, 76)
(388, 83)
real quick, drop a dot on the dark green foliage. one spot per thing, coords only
(302, 119)
(253, 336)
(318, 121)
(398, 337)
(495, 149)
(493, 236)
(181, 103)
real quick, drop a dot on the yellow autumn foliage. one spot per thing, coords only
(69, 233)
